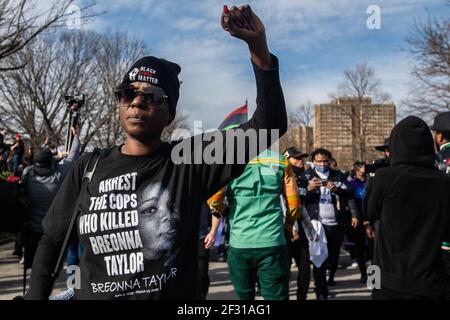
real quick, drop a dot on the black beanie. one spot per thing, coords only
(158, 72)
(43, 159)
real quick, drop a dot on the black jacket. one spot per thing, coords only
(411, 200)
(302, 238)
(311, 199)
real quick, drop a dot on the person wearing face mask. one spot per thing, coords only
(324, 192)
(296, 159)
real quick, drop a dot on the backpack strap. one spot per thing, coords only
(95, 158)
(88, 174)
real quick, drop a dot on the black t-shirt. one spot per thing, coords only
(137, 227)
(139, 220)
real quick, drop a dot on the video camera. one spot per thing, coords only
(75, 102)
(377, 164)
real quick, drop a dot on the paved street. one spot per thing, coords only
(348, 286)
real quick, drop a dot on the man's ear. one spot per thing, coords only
(438, 137)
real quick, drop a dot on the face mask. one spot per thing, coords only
(325, 169)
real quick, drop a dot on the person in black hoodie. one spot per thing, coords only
(411, 201)
(139, 218)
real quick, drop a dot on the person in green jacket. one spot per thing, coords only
(258, 250)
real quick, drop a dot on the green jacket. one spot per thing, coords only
(255, 211)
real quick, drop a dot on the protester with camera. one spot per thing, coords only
(411, 201)
(324, 192)
(41, 182)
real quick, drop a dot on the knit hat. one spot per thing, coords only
(43, 162)
(158, 72)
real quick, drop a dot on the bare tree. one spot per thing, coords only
(359, 89)
(303, 115)
(300, 118)
(32, 98)
(429, 45)
(180, 122)
(115, 54)
(20, 23)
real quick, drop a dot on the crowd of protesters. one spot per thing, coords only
(36, 178)
(395, 216)
(130, 214)
(14, 157)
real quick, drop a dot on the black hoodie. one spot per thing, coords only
(411, 198)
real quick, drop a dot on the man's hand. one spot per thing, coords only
(355, 223)
(288, 230)
(210, 239)
(295, 235)
(332, 186)
(244, 24)
(75, 130)
(314, 184)
(63, 155)
(370, 231)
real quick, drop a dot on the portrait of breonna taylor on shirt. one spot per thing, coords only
(158, 223)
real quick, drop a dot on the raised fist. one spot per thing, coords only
(242, 23)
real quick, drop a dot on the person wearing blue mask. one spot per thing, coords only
(325, 193)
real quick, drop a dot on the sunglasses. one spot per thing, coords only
(152, 97)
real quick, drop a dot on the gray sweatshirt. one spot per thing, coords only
(41, 190)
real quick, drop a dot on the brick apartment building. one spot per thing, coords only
(351, 128)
